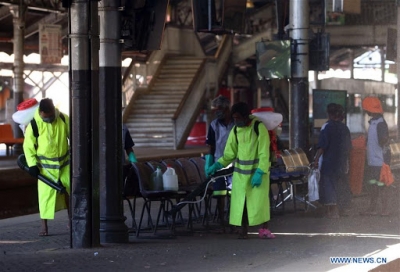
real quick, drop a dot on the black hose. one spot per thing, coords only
(21, 161)
(198, 190)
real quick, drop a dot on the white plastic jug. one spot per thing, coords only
(170, 179)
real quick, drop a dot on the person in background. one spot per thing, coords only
(217, 136)
(334, 144)
(48, 154)
(377, 140)
(250, 151)
(128, 145)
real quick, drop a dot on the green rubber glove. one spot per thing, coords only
(209, 162)
(214, 168)
(132, 157)
(257, 178)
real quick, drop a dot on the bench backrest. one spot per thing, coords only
(6, 131)
(193, 176)
(295, 160)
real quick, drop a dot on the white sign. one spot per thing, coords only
(50, 44)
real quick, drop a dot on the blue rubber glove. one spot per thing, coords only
(209, 162)
(132, 157)
(257, 178)
(214, 168)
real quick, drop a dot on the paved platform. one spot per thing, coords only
(304, 242)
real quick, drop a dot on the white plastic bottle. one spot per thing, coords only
(157, 179)
(170, 179)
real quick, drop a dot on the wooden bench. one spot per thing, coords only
(7, 137)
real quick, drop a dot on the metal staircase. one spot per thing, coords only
(150, 121)
(162, 113)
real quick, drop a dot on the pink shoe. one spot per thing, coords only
(265, 234)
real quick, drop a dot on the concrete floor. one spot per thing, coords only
(304, 242)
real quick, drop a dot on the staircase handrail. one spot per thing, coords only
(144, 89)
(220, 59)
(188, 90)
(201, 67)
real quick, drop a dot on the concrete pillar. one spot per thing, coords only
(398, 68)
(382, 51)
(351, 53)
(298, 97)
(83, 38)
(112, 226)
(18, 13)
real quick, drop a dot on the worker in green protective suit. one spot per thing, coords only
(47, 153)
(248, 145)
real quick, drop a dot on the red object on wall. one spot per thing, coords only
(197, 135)
(225, 91)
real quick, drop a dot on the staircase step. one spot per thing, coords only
(154, 111)
(181, 60)
(167, 145)
(153, 129)
(164, 94)
(142, 137)
(177, 71)
(146, 101)
(177, 89)
(185, 76)
(137, 119)
(148, 116)
(150, 104)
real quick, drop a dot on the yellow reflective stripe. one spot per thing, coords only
(248, 162)
(54, 166)
(244, 172)
(56, 159)
(220, 193)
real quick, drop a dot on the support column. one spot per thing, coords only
(83, 18)
(18, 13)
(398, 68)
(298, 97)
(382, 51)
(112, 226)
(351, 53)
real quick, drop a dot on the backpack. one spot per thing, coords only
(35, 127)
(256, 123)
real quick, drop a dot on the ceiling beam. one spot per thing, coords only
(37, 67)
(4, 12)
(52, 18)
(48, 6)
(359, 35)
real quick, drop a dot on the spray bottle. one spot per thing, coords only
(157, 180)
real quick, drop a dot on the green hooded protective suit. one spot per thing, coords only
(50, 152)
(250, 152)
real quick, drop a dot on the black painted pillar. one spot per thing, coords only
(83, 25)
(298, 97)
(112, 226)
